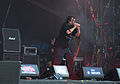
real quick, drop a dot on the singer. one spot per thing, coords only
(70, 29)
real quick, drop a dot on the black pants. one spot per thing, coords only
(60, 53)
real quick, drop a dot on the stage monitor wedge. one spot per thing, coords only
(62, 70)
(118, 72)
(93, 72)
(58, 72)
(29, 70)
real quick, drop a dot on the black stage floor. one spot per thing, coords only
(66, 82)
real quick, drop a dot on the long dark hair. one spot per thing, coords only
(69, 18)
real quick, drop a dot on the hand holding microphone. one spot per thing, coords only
(77, 25)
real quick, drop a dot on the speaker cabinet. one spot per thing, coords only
(11, 40)
(30, 59)
(9, 72)
(11, 56)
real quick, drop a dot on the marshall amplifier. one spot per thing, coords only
(10, 44)
(11, 41)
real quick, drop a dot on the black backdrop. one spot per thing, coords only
(41, 20)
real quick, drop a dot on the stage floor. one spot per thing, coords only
(66, 82)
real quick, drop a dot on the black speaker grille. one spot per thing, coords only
(11, 40)
(11, 56)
